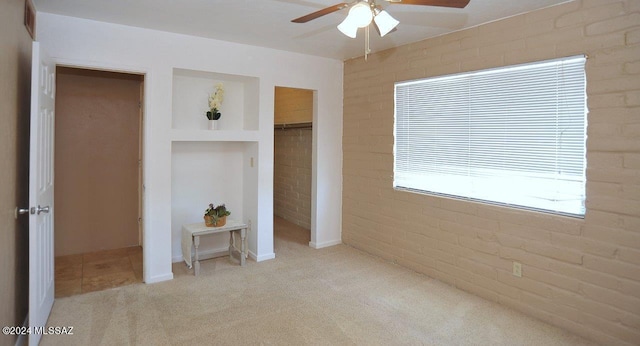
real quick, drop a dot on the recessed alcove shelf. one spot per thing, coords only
(191, 90)
(213, 166)
(215, 136)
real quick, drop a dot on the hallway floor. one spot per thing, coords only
(97, 271)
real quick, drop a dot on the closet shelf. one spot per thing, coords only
(305, 125)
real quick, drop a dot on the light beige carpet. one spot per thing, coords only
(331, 296)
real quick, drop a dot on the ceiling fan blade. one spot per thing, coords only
(441, 3)
(322, 12)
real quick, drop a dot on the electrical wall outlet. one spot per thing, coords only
(517, 269)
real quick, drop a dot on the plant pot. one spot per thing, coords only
(209, 222)
(213, 124)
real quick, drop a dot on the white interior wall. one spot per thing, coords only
(203, 173)
(90, 44)
(250, 195)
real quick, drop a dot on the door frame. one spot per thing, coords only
(144, 136)
(313, 243)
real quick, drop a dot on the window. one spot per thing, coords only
(513, 136)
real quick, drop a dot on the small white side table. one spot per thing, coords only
(191, 234)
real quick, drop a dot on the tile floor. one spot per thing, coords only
(97, 271)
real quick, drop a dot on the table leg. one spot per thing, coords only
(196, 270)
(243, 236)
(230, 245)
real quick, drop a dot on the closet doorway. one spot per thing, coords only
(293, 152)
(98, 180)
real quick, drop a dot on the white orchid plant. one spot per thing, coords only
(215, 101)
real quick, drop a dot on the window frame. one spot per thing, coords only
(581, 59)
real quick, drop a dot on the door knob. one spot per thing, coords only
(32, 210)
(42, 209)
(20, 211)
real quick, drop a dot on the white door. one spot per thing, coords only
(41, 266)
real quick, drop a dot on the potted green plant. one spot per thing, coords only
(216, 216)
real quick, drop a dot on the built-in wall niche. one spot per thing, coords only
(213, 172)
(191, 90)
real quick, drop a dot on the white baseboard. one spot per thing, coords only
(263, 257)
(325, 244)
(159, 278)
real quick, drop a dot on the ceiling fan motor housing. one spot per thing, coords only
(361, 14)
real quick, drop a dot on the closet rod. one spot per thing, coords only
(293, 126)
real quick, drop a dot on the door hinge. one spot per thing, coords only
(139, 220)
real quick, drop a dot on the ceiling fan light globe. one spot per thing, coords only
(385, 22)
(360, 14)
(347, 28)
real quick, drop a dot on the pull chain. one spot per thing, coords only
(367, 48)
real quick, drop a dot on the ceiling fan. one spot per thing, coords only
(364, 12)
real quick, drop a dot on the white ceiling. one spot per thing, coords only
(267, 23)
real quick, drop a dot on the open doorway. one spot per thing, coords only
(293, 148)
(98, 175)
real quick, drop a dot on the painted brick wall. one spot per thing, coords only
(292, 176)
(582, 275)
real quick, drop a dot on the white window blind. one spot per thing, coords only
(514, 136)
